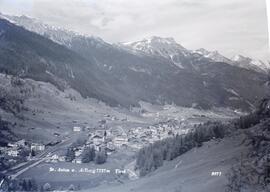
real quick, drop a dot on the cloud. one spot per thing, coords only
(230, 26)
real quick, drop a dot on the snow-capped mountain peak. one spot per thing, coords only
(160, 40)
(248, 63)
(213, 55)
(154, 45)
(202, 51)
(57, 34)
(158, 46)
(240, 58)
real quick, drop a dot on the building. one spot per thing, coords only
(54, 158)
(120, 141)
(37, 147)
(13, 152)
(56, 134)
(77, 129)
(77, 160)
(101, 133)
(12, 145)
(78, 152)
(62, 158)
(110, 148)
(97, 147)
(97, 140)
(99, 137)
(21, 143)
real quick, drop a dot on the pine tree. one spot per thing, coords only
(70, 155)
(88, 155)
(100, 157)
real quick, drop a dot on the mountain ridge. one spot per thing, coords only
(64, 37)
(119, 77)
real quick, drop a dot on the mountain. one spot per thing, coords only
(117, 75)
(237, 60)
(30, 55)
(155, 46)
(214, 55)
(248, 63)
(160, 47)
(169, 49)
(56, 34)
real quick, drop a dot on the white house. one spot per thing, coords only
(62, 158)
(13, 152)
(77, 160)
(77, 129)
(21, 143)
(37, 147)
(120, 141)
(13, 145)
(54, 158)
(78, 152)
(97, 139)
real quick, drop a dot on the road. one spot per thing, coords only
(16, 171)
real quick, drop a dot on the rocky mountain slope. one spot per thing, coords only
(170, 49)
(248, 63)
(165, 47)
(214, 55)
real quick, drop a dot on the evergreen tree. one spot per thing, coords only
(33, 153)
(100, 157)
(70, 155)
(88, 155)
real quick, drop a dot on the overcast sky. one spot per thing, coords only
(229, 26)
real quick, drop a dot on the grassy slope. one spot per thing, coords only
(51, 111)
(193, 173)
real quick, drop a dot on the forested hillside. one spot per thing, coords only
(151, 157)
(252, 170)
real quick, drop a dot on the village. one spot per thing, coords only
(111, 139)
(102, 138)
(18, 152)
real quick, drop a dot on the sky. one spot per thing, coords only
(229, 26)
